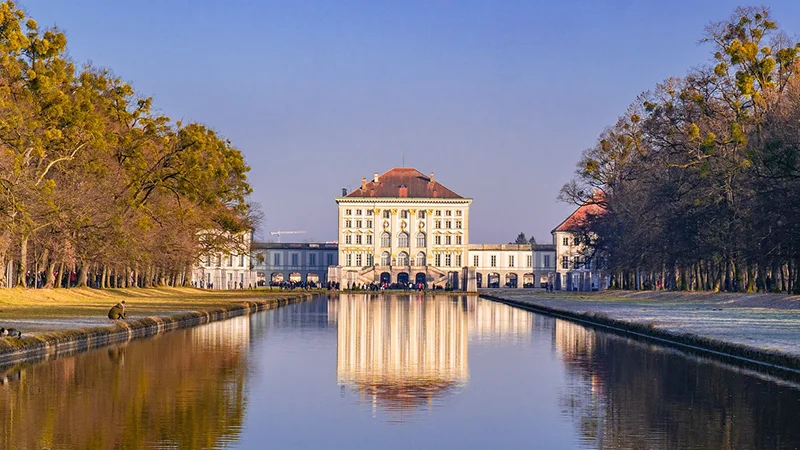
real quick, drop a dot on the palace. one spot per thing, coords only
(401, 227)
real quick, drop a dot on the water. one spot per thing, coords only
(360, 371)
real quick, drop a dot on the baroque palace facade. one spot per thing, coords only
(401, 227)
(406, 227)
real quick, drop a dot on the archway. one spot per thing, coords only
(402, 278)
(479, 279)
(276, 277)
(311, 277)
(386, 278)
(528, 280)
(493, 280)
(295, 277)
(511, 280)
(385, 259)
(420, 279)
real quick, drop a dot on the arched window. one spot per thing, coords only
(402, 259)
(420, 259)
(402, 240)
(385, 259)
(420, 239)
(386, 240)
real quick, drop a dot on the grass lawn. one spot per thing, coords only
(37, 310)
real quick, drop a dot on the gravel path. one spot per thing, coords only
(762, 321)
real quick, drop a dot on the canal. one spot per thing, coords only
(400, 371)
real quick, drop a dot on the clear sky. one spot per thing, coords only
(498, 98)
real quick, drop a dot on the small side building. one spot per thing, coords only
(575, 268)
(275, 262)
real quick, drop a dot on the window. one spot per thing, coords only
(387, 214)
(529, 260)
(402, 259)
(448, 213)
(312, 259)
(475, 260)
(358, 239)
(404, 214)
(219, 259)
(577, 240)
(421, 214)
(447, 240)
(420, 239)
(510, 260)
(565, 241)
(330, 259)
(448, 224)
(438, 259)
(494, 261)
(447, 259)
(386, 240)
(358, 223)
(576, 262)
(295, 258)
(358, 212)
(348, 259)
(276, 259)
(438, 212)
(587, 263)
(348, 212)
(369, 212)
(402, 240)
(230, 260)
(348, 223)
(348, 239)
(458, 259)
(458, 239)
(385, 259)
(370, 259)
(565, 262)
(547, 260)
(420, 259)
(438, 224)
(369, 239)
(241, 260)
(438, 240)
(458, 224)
(458, 213)
(369, 223)
(358, 259)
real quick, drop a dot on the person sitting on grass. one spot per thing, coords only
(117, 311)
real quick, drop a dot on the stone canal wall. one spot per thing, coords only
(59, 343)
(756, 337)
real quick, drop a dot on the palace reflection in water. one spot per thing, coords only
(406, 351)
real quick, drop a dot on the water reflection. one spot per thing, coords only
(185, 389)
(623, 393)
(401, 352)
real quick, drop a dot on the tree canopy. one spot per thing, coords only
(95, 186)
(701, 175)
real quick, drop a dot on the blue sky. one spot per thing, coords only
(498, 98)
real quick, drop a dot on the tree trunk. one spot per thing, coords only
(22, 266)
(82, 276)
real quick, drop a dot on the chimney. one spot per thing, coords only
(363, 183)
(375, 177)
(344, 192)
(431, 177)
(403, 191)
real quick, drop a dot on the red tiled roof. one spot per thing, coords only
(405, 182)
(578, 218)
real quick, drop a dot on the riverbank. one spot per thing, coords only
(58, 321)
(762, 329)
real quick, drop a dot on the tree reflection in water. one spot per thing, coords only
(624, 393)
(184, 389)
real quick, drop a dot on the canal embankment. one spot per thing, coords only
(756, 329)
(64, 321)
